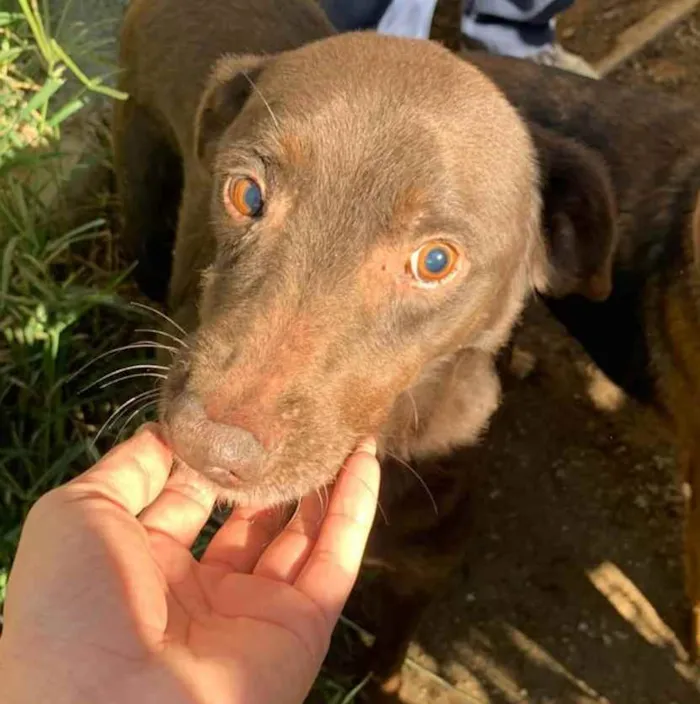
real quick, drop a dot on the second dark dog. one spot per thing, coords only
(646, 336)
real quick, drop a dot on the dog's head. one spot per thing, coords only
(375, 208)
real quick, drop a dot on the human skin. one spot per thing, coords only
(105, 602)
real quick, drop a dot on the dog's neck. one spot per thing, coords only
(449, 407)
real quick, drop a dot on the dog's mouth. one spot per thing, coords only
(286, 486)
(223, 478)
(241, 469)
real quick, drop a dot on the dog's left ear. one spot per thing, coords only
(578, 219)
(230, 86)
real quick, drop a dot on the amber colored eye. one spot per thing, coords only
(433, 262)
(244, 195)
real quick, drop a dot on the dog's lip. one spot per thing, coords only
(223, 477)
(226, 479)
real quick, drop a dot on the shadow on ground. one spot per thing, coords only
(573, 583)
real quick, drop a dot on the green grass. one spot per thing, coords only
(62, 301)
(65, 311)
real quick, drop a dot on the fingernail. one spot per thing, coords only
(150, 425)
(368, 445)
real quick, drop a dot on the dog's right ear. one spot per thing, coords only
(579, 218)
(229, 87)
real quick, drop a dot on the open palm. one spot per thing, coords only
(125, 612)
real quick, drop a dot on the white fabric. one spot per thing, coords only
(408, 18)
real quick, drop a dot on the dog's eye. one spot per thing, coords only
(244, 196)
(433, 262)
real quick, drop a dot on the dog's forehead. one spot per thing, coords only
(398, 181)
(410, 98)
(366, 66)
(373, 135)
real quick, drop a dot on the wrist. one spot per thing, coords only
(26, 679)
(15, 683)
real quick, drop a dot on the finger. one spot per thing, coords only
(181, 510)
(331, 570)
(131, 475)
(238, 544)
(286, 555)
(284, 559)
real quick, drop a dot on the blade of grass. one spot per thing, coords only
(36, 26)
(65, 112)
(6, 272)
(93, 84)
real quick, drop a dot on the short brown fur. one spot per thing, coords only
(366, 146)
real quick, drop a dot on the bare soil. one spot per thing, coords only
(572, 590)
(672, 63)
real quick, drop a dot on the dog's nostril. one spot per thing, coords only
(208, 446)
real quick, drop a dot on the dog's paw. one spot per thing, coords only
(385, 691)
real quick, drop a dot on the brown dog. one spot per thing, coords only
(356, 227)
(646, 335)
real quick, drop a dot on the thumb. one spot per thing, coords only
(130, 475)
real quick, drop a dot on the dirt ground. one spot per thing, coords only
(572, 589)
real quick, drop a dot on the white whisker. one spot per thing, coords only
(175, 338)
(133, 415)
(142, 375)
(295, 514)
(124, 370)
(415, 408)
(262, 97)
(379, 505)
(382, 513)
(325, 505)
(153, 344)
(121, 409)
(418, 477)
(159, 313)
(116, 350)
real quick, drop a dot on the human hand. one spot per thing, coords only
(106, 604)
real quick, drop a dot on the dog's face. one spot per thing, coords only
(375, 208)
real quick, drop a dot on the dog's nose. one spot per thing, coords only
(210, 447)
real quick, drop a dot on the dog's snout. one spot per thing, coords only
(224, 452)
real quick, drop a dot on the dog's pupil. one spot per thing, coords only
(253, 198)
(436, 260)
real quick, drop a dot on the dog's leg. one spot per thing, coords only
(149, 185)
(401, 613)
(690, 462)
(416, 556)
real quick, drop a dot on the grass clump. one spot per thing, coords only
(62, 285)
